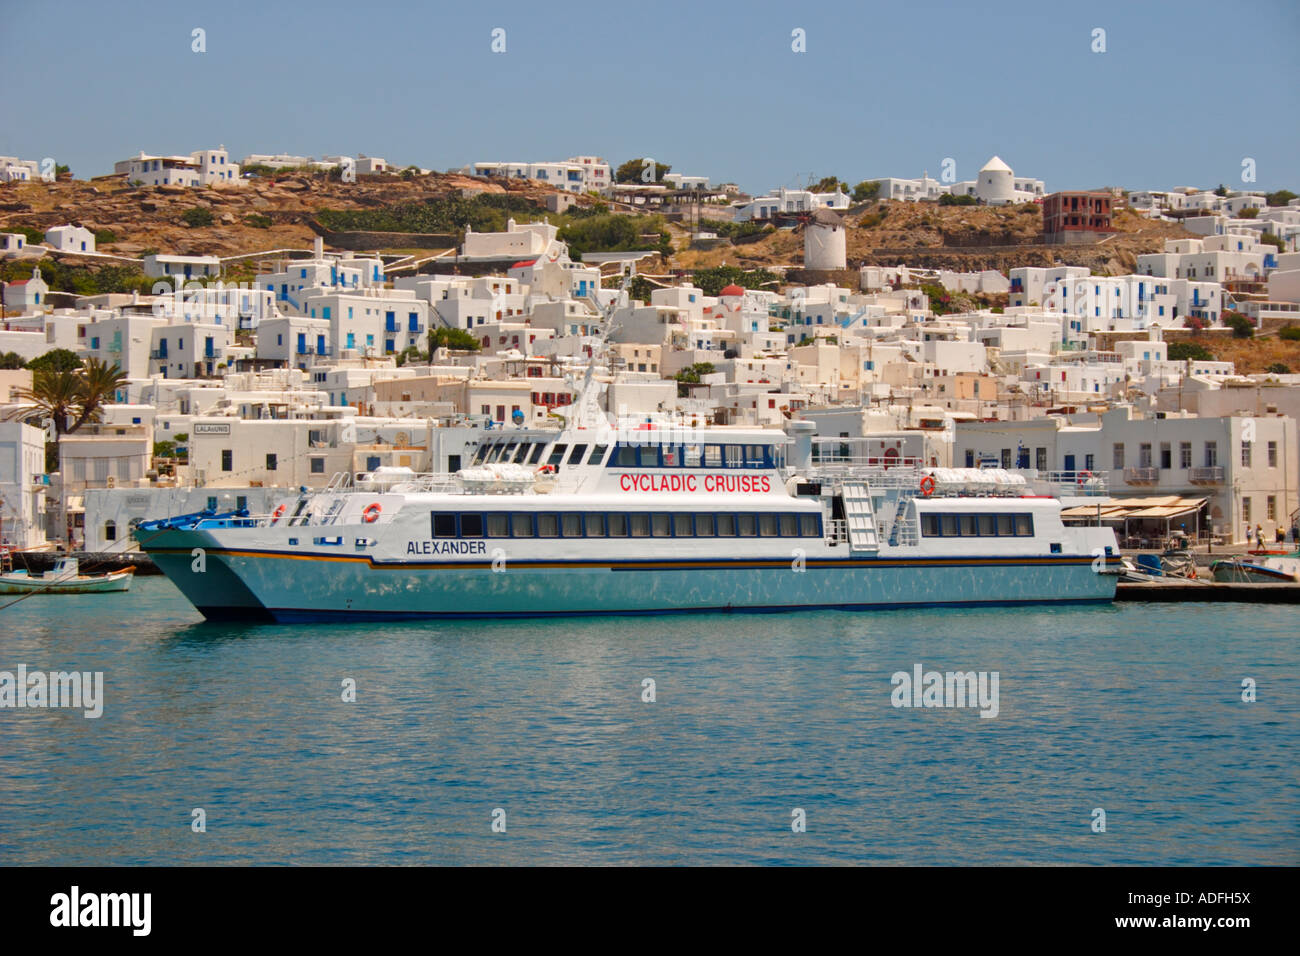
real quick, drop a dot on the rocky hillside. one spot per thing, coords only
(268, 213)
(965, 238)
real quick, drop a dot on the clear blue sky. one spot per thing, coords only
(1184, 91)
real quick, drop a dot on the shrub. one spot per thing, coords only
(1182, 351)
(257, 221)
(1277, 368)
(1289, 333)
(197, 216)
(1242, 327)
(1279, 198)
(948, 199)
(1250, 212)
(105, 236)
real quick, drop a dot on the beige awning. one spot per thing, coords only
(1121, 509)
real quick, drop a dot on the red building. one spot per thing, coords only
(1076, 216)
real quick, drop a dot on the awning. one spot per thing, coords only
(1121, 509)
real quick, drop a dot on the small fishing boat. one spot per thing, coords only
(64, 578)
(1249, 572)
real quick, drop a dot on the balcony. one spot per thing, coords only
(157, 353)
(1141, 476)
(1208, 475)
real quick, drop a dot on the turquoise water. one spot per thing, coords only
(1133, 708)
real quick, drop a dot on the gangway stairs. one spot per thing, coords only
(860, 518)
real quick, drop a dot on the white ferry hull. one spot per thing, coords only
(299, 587)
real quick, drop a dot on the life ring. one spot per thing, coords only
(277, 514)
(546, 470)
(1085, 476)
(927, 485)
(371, 514)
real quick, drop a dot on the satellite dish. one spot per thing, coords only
(401, 438)
(517, 416)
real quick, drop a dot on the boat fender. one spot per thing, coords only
(927, 485)
(371, 514)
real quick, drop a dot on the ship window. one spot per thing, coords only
(1056, 547)
(951, 525)
(969, 526)
(756, 455)
(712, 456)
(1006, 526)
(596, 526)
(598, 454)
(691, 456)
(548, 525)
(508, 452)
(649, 456)
(704, 526)
(557, 453)
(536, 456)
(626, 456)
(480, 454)
(521, 525)
(444, 525)
(671, 456)
(808, 526)
(683, 526)
(498, 525)
(659, 524)
(618, 526)
(522, 454)
(571, 525)
(1024, 526)
(640, 523)
(578, 453)
(767, 525)
(930, 525)
(789, 526)
(471, 526)
(747, 525)
(988, 526)
(735, 455)
(726, 524)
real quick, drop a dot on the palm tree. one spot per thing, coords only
(63, 394)
(57, 393)
(99, 383)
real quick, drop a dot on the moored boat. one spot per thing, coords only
(64, 578)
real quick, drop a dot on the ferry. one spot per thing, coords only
(598, 518)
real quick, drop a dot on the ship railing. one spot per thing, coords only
(875, 476)
(836, 531)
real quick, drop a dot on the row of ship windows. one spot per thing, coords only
(637, 524)
(977, 526)
(628, 456)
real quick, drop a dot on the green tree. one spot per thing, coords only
(1222, 190)
(1289, 333)
(1250, 212)
(59, 360)
(867, 189)
(1280, 198)
(56, 392)
(713, 281)
(1277, 368)
(1182, 351)
(104, 236)
(11, 360)
(633, 171)
(948, 199)
(1273, 239)
(456, 339)
(828, 184)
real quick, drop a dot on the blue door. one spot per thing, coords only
(1069, 463)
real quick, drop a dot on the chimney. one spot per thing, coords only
(318, 247)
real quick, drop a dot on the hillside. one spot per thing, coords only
(150, 218)
(964, 238)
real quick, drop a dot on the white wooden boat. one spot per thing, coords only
(65, 578)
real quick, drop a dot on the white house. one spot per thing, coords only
(27, 294)
(70, 238)
(22, 486)
(185, 266)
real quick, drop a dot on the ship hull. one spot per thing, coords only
(266, 586)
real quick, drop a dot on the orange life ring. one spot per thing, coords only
(371, 514)
(277, 514)
(546, 470)
(927, 485)
(1084, 476)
